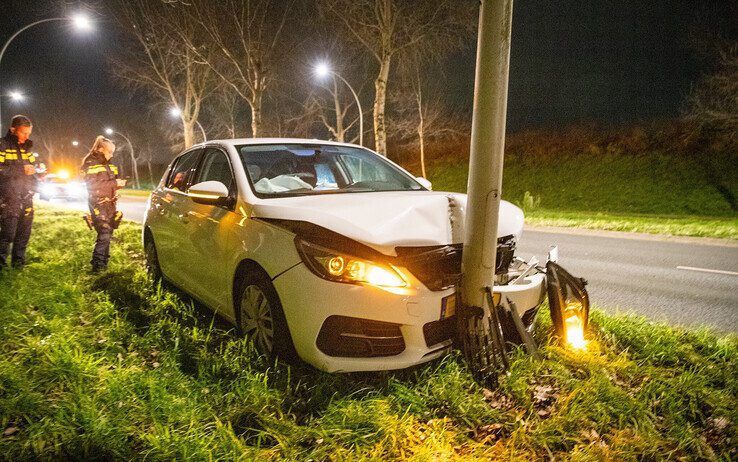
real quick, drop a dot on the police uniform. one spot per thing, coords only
(16, 198)
(100, 175)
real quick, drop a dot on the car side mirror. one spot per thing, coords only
(208, 192)
(424, 182)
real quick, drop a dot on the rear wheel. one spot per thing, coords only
(260, 317)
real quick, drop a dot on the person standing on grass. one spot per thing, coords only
(18, 183)
(101, 177)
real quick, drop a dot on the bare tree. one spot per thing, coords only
(713, 102)
(420, 115)
(241, 41)
(156, 60)
(387, 28)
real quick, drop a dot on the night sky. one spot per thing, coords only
(600, 61)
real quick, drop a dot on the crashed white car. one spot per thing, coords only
(322, 250)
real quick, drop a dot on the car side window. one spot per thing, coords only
(180, 175)
(215, 167)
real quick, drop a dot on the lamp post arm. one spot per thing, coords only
(358, 104)
(12, 37)
(202, 130)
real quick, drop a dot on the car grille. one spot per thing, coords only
(439, 331)
(439, 267)
(342, 336)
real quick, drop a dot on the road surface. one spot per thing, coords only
(688, 283)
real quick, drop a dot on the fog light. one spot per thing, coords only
(569, 304)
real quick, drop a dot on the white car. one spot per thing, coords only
(322, 250)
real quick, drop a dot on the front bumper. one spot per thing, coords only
(313, 305)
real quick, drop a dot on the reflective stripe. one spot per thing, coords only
(95, 169)
(114, 169)
(11, 156)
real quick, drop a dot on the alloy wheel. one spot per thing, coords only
(256, 318)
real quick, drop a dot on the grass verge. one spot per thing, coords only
(650, 193)
(716, 227)
(134, 192)
(108, 367)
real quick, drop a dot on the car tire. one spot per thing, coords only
(152, 260)
(259, 316)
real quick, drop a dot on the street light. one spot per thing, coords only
(177, 112)
(75, 143)
(80, 22)
(323, 70)
(16, 95)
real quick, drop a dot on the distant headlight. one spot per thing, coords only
(48, 190)
(76, 189)
(337, 267)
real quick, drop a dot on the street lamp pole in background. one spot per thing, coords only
(134, 163)
(177, 112)
(323, 70)
(80, 22)
(484, 186)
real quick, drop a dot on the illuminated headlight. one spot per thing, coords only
(76, 189)
(338, 267)
(48, 190)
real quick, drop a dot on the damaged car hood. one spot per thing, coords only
(384, 220)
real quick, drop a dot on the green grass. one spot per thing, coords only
(654, 193)
(697, 226)
(135, 192)
(108, 367)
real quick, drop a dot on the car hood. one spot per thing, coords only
(385, 220)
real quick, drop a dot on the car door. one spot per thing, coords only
(212, 229)
(174, 248)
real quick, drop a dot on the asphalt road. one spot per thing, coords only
(638, 275)
(642, 275)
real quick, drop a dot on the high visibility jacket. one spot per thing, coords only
(14, 183)
(100, 176)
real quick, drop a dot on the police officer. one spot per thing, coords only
(18, 184)
(101, 176)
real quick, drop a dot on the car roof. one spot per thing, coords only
(258, 141)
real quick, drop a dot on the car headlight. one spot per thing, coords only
(48, 190)
(76, 189)
(338, 267)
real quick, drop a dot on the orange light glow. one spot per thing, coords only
(63, 174)
(575, 332)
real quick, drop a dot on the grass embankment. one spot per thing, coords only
(106, 367)
(650, 193)
(135, 192)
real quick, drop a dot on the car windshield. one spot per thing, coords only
(296, 169)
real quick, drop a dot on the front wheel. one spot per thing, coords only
(152, 260)
(260, 317)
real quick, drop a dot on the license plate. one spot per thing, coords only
(448, 306)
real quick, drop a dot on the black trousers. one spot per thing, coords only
(16, 220)
(103, 220)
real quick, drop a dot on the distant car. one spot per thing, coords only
(56, 187)
(323, 250)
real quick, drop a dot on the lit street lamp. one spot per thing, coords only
(16, 96)
(322, 70)
(80, 22)
(109, 131)
(75, 143)
(177, 112)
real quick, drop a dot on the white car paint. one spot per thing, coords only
(201, 246)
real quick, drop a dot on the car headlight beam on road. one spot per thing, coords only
(338, 267)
